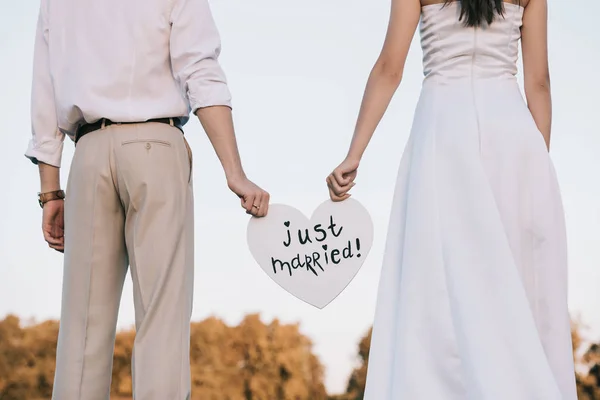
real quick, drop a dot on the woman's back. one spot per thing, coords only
(452, 50)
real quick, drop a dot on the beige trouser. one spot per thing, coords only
(129, 202)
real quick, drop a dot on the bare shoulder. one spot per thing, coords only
(535, 11)
(533, 3)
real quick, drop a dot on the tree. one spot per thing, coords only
(254, 361)
(26, 359)
(588, 363)
(251, 361)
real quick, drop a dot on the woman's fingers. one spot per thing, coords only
(334, 185)
(337, 198)
(341, 178)
(336, 188)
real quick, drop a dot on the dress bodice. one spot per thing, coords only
(453, 51)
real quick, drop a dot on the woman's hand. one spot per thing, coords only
(341, 180)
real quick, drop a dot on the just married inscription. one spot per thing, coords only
(313, 261)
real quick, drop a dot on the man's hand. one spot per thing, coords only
(53, 220)
(341, 180)
(53, 224)
(254, 199)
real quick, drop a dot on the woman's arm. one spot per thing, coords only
(534, 41)
(387, 72)
(381, 86)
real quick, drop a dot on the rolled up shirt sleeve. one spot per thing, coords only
(46, 144)
(195, 46)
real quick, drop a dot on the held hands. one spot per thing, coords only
(53, 224)
(341, 180)
(253, 199)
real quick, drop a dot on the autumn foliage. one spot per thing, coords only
(587, 357)
(250, 361)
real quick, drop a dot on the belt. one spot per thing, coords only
(103, 122)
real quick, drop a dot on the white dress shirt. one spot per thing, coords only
(125, 60)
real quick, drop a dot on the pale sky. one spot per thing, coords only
(297, 72)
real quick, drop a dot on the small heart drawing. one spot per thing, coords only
(315, 259)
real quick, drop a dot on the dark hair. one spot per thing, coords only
(476, 12)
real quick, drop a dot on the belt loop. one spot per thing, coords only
(103, 123)
(171, 122)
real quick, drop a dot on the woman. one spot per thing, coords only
(472, 301)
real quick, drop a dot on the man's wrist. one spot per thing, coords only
(46, 197)
(236, 175)
(47, 188)
(49, 178)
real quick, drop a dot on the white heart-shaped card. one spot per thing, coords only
(314, 259)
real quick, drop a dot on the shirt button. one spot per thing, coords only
(148, 146)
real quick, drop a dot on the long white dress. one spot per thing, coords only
(472, 300)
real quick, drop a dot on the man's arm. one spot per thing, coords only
(47, 140)
(49, 177)
(46, 144)
(218, 124)
(217, 121)
(195, 48)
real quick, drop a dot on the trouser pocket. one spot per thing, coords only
(190, 157)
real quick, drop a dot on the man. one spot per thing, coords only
(120, 78)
